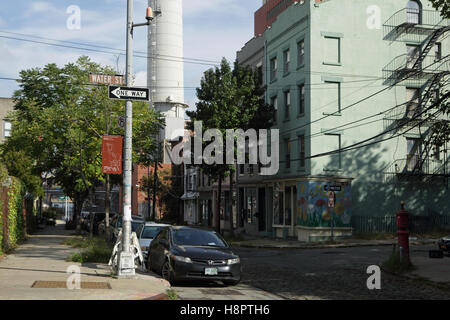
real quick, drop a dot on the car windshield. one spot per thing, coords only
(197, 238)
(135, 225)
(150, 232)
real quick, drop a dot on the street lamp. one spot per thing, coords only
(126, 256)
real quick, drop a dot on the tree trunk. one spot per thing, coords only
(77, 213)
(155, 189)
(231, 203)
(107, 207)
(219, 198)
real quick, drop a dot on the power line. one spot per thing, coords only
(411, 74)
(102, 51)
(104, 47)
(358, 144)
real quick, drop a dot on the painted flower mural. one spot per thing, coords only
(313, 196)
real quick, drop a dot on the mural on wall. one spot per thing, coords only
(312, 204)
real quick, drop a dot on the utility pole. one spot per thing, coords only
(126, 257)
(155, 182)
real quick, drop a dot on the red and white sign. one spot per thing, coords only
(112, 154)
(331, 200)
(107, 79)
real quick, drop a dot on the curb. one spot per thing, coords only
(161, 296)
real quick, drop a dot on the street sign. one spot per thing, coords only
(331, 200)
(118, 80)
(128, 93)
(332, 188)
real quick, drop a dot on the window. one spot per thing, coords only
(287, 104)
(413, 12)
(335, 158)
(301, 99)
(6, 129)
(287, 144)
(301, 53)
(301, 148)
(413, 53)
(274, 103)
(413, 150)
(334, 95)
(437, 152)
(287, 60)
(273, 69)
(412, 105)
(437, 52)
(332, 50)
(259, 71)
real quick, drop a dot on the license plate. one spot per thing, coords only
(211, 271)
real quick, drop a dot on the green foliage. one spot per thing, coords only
(58, 124)
(93, 250)
(395, 264)
(443, 6)
(172, 294)
(15, 218)
(230, 99)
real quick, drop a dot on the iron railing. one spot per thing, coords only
(387, 224)
(413, 25)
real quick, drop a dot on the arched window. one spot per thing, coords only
(413, 12)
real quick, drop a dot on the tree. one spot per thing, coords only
(441, 128)
(58, 123)
(229, 99)
(443, 6)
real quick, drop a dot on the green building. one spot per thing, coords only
(354, 85)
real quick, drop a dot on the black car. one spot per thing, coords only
(444, 244)
(184, 253)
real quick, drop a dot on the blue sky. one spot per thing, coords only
(212, 29)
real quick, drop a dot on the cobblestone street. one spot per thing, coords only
(332, 274)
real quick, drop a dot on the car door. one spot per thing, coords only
(157, 252)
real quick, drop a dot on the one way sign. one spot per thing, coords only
(127, 93)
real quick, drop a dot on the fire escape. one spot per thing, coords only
(428, 71)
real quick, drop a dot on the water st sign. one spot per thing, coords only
(128, 93)
(118, 80)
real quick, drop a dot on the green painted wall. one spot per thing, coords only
(363, 54)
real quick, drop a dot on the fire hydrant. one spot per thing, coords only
(403, 231)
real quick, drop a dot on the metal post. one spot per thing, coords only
(126, 260)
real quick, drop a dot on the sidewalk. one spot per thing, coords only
(43, 258)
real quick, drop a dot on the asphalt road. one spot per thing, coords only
(304, 274)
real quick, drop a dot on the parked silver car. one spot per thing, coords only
(146, 233)
(116, 225)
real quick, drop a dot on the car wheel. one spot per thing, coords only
(231, 282)
(167, 272)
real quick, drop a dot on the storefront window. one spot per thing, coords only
(278, 204)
